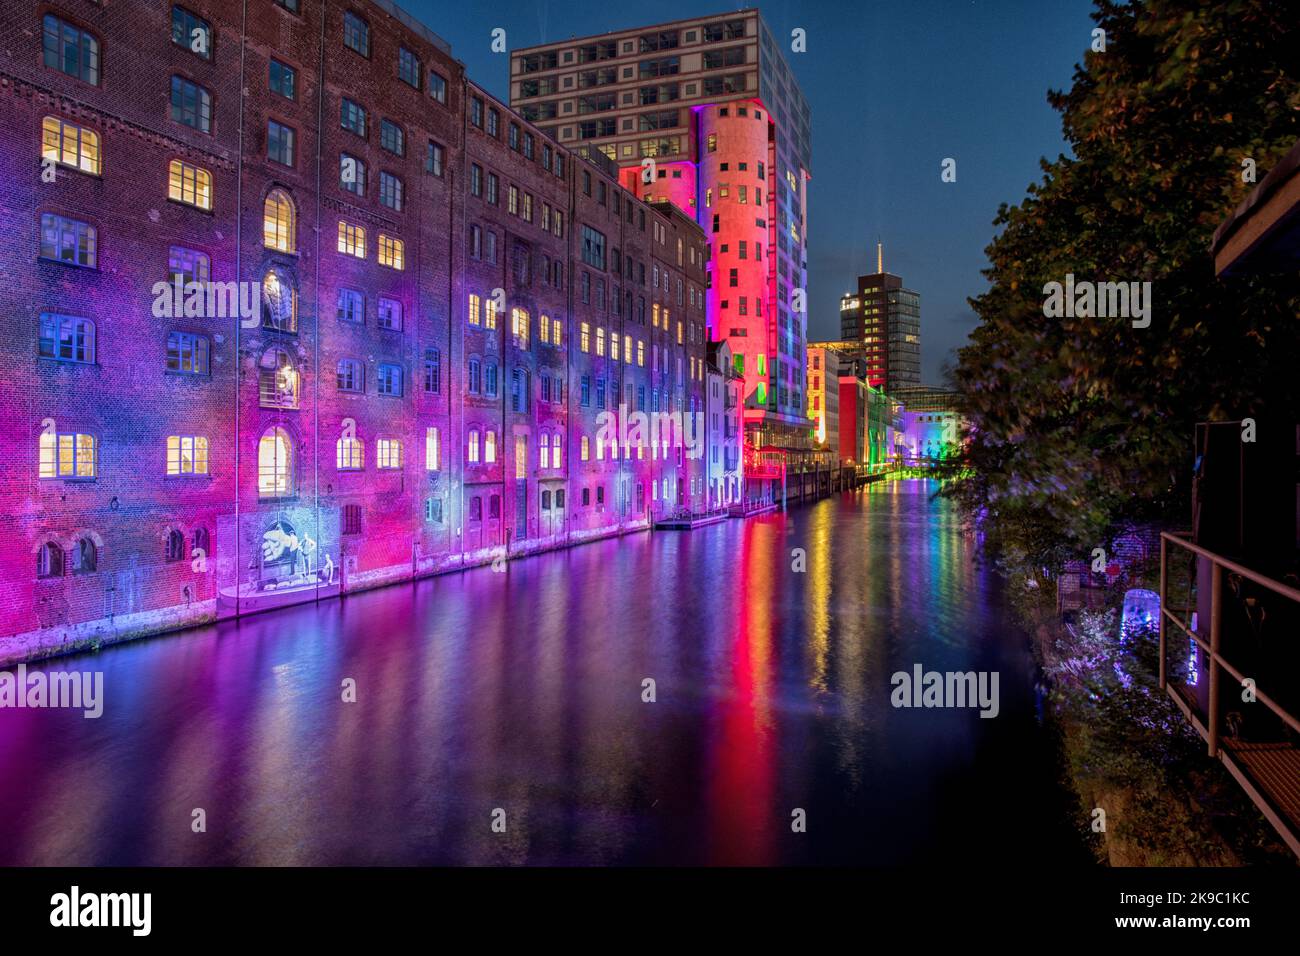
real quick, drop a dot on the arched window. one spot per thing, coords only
(277, 380)
(279, 301)
(472, 454)
(279, 222)
(49, 561)
(544, 453)
(489, 447)
(202, 543)
(85, 557)
(350, 454)
(274, 464)
(175, 545)
(557, 456)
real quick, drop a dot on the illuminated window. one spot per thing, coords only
(391, 252)
(278, 221)
(189, 184)
(352, 239)
(277, 380)
(489, 447)
(274, 464)
(557, 456)
(544, 452)
(600, 341)
(475, 306)
(279, 301)
(586, 448)
(519, 323)
(490, 314)
(349, 454)
(640, 353)
(389, 453)
(472, 453)
(432, 449)
(187, 455)
(613, 346)
(584, 337)
(70, 145)
(67, 456)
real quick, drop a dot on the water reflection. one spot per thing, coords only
(522, 692)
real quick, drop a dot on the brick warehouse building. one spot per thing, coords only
(440, 303)
(706, 114)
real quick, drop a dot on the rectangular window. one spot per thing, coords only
(351, 519)
(279, 143)
(433, 162)
(283, 80)
(189, 184)
(187, 455)
(350, 377)
(191, 32)
(352, 117)
(432, 370)
(392, 252)
(593, 247)
(389, 453)
(432, 449)
(390, 380)
(351, 306)
(433, 510)
(352, 174)
(67, 456)
(390, 191)
(392, 138)
(409, 70)
(356, 33)
(67, 338)
(438, 88)
(187, 352)
(191, 105)
(70, 145)
(476, 180)
(390, 314)
(67, 240)
(69, 50)
(352, 239)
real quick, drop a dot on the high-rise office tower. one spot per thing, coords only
(884, 319)
(706, 114)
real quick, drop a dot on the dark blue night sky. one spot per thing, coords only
(894, 88)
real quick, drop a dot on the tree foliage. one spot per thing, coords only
(1083, 423)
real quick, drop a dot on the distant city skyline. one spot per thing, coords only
(893, 90)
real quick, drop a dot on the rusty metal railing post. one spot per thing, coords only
(1216, 595)
(1164, 589)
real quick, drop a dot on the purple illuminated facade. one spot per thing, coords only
(445, 307)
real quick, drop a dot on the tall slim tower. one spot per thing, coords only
(884, 320)
(706, 114)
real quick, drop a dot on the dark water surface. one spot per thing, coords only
(522, 691)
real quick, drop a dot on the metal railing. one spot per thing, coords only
(1217, 663)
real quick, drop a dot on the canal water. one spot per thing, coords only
(523, 692)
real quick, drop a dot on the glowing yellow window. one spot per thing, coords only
(70, 145)
(392, 252)
(475, 309)
(67, 456)
(352, 239)
(189, 184)
(278, 221)
(187, 455)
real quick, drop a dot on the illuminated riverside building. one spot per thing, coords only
(824, 361)
(706, 114)
(446, 307)
(883, 320)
